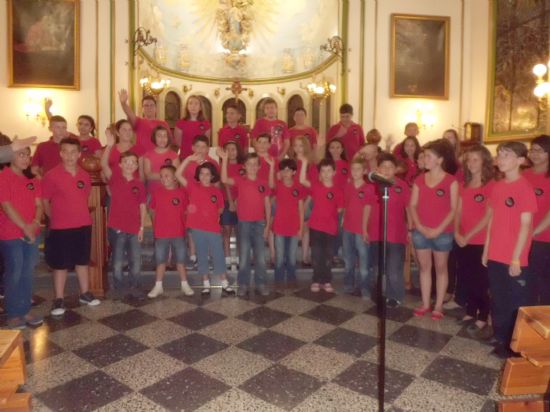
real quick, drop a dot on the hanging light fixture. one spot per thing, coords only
(320, 90)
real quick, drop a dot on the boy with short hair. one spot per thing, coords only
(65, 190)
(261, 145)
(233, 131)
(512, 205)
(349, 132)
(46, 156)
(275, 128)
(301, 128)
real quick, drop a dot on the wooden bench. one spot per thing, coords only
(529, 374)
(12, 372)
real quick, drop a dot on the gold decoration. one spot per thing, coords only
(234, 21)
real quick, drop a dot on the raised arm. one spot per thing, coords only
(303, 176)
(226, 180)
(123, 97)
(48, 103)
(179, 171)
(107, 171)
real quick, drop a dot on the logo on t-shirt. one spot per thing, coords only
(344, 171)
(213, 198)
(278, 130)
(440, 192)
(479, 198)
(168, 162)
(237, 136)
(175, 201)
(261, 188)
(330, 195)
(80, 184)
(398, 189)
(242, 172)
(84, 149)
(354, 131)
(295, 193)
(202, 127)
(361, 194)
(509, 202)
(539, 191)
(30, 186)
(135, 190)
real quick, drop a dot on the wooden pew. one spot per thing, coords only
(12, 372)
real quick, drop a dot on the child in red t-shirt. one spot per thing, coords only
(124, 137)
(229, 217)
(126, 220)
(408, 152)
(193, 124)
(203, 220)
(433, 206)
(66, 189)
(143, 126)
(300, 128)
(20, 215)
(358, 197)
(288, 223)
(254, 213)
(261, 147)
(511, 206)
(161, 155)
(168, 206)
(471, 221)
(46, 156)
(328, 201)
(369, 153)
(233, 131)
(86, 134)
(350, 134)
(539, 177)
(275, 128)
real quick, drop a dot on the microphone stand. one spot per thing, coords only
(381, 303)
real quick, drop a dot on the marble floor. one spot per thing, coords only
(291, 351)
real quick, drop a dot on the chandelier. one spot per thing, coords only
(320, 90)
(153, 84)
(542, 88)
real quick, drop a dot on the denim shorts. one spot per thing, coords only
(442, 243)
(228, 218)
(162, 246)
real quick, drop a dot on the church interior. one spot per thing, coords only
(478, 67)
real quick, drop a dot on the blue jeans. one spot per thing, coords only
(251, 238)
(394, 287)
(125, 244)
(206, 242)
(354, 250)
(20, 259)
(285, 258)
(162, 247)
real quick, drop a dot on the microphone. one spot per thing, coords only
(378, 178)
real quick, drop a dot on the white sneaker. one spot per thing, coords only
(186, 289)
(235, 260)
(156, 291)
(228, 261)
(205, 287)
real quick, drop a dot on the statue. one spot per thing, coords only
(234, 22)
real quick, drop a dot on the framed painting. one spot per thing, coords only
(419, 65)
(518, 41)
(43, 43)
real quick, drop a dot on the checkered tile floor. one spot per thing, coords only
(294, 351)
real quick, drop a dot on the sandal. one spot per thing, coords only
(421, 311)
(437, 315)
(315, 287)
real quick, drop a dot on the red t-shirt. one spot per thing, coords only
(189, 130)
(287, 212)
(203, 211)
(68, 196)
(342, 173)
(474, 206)
(22, 193)
(541, 184)
(157, 160)
(263, 171)
(190, 169)
(47, 155)
(434, 203)
(412, 168)
(234, 170)
(170, 206)
(312, 175)
(114, 156)
(508, 201)
(89, 146)
(144, 128)
(238, 134)
(251, 196)
(326, 202)
(400, 197)
(126, 198)
(277, 129)
(308, 132)
(355, 200)
(352, 139)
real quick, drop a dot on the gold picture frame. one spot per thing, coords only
(419, 58)
(44, 43)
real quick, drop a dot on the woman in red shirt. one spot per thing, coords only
(161, 155)
(433, 204)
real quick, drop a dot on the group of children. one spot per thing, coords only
(294, 187)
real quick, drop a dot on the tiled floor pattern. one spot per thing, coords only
(291, 351)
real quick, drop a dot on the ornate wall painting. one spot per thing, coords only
(43, 43)
(519, 40)
(419, 56)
